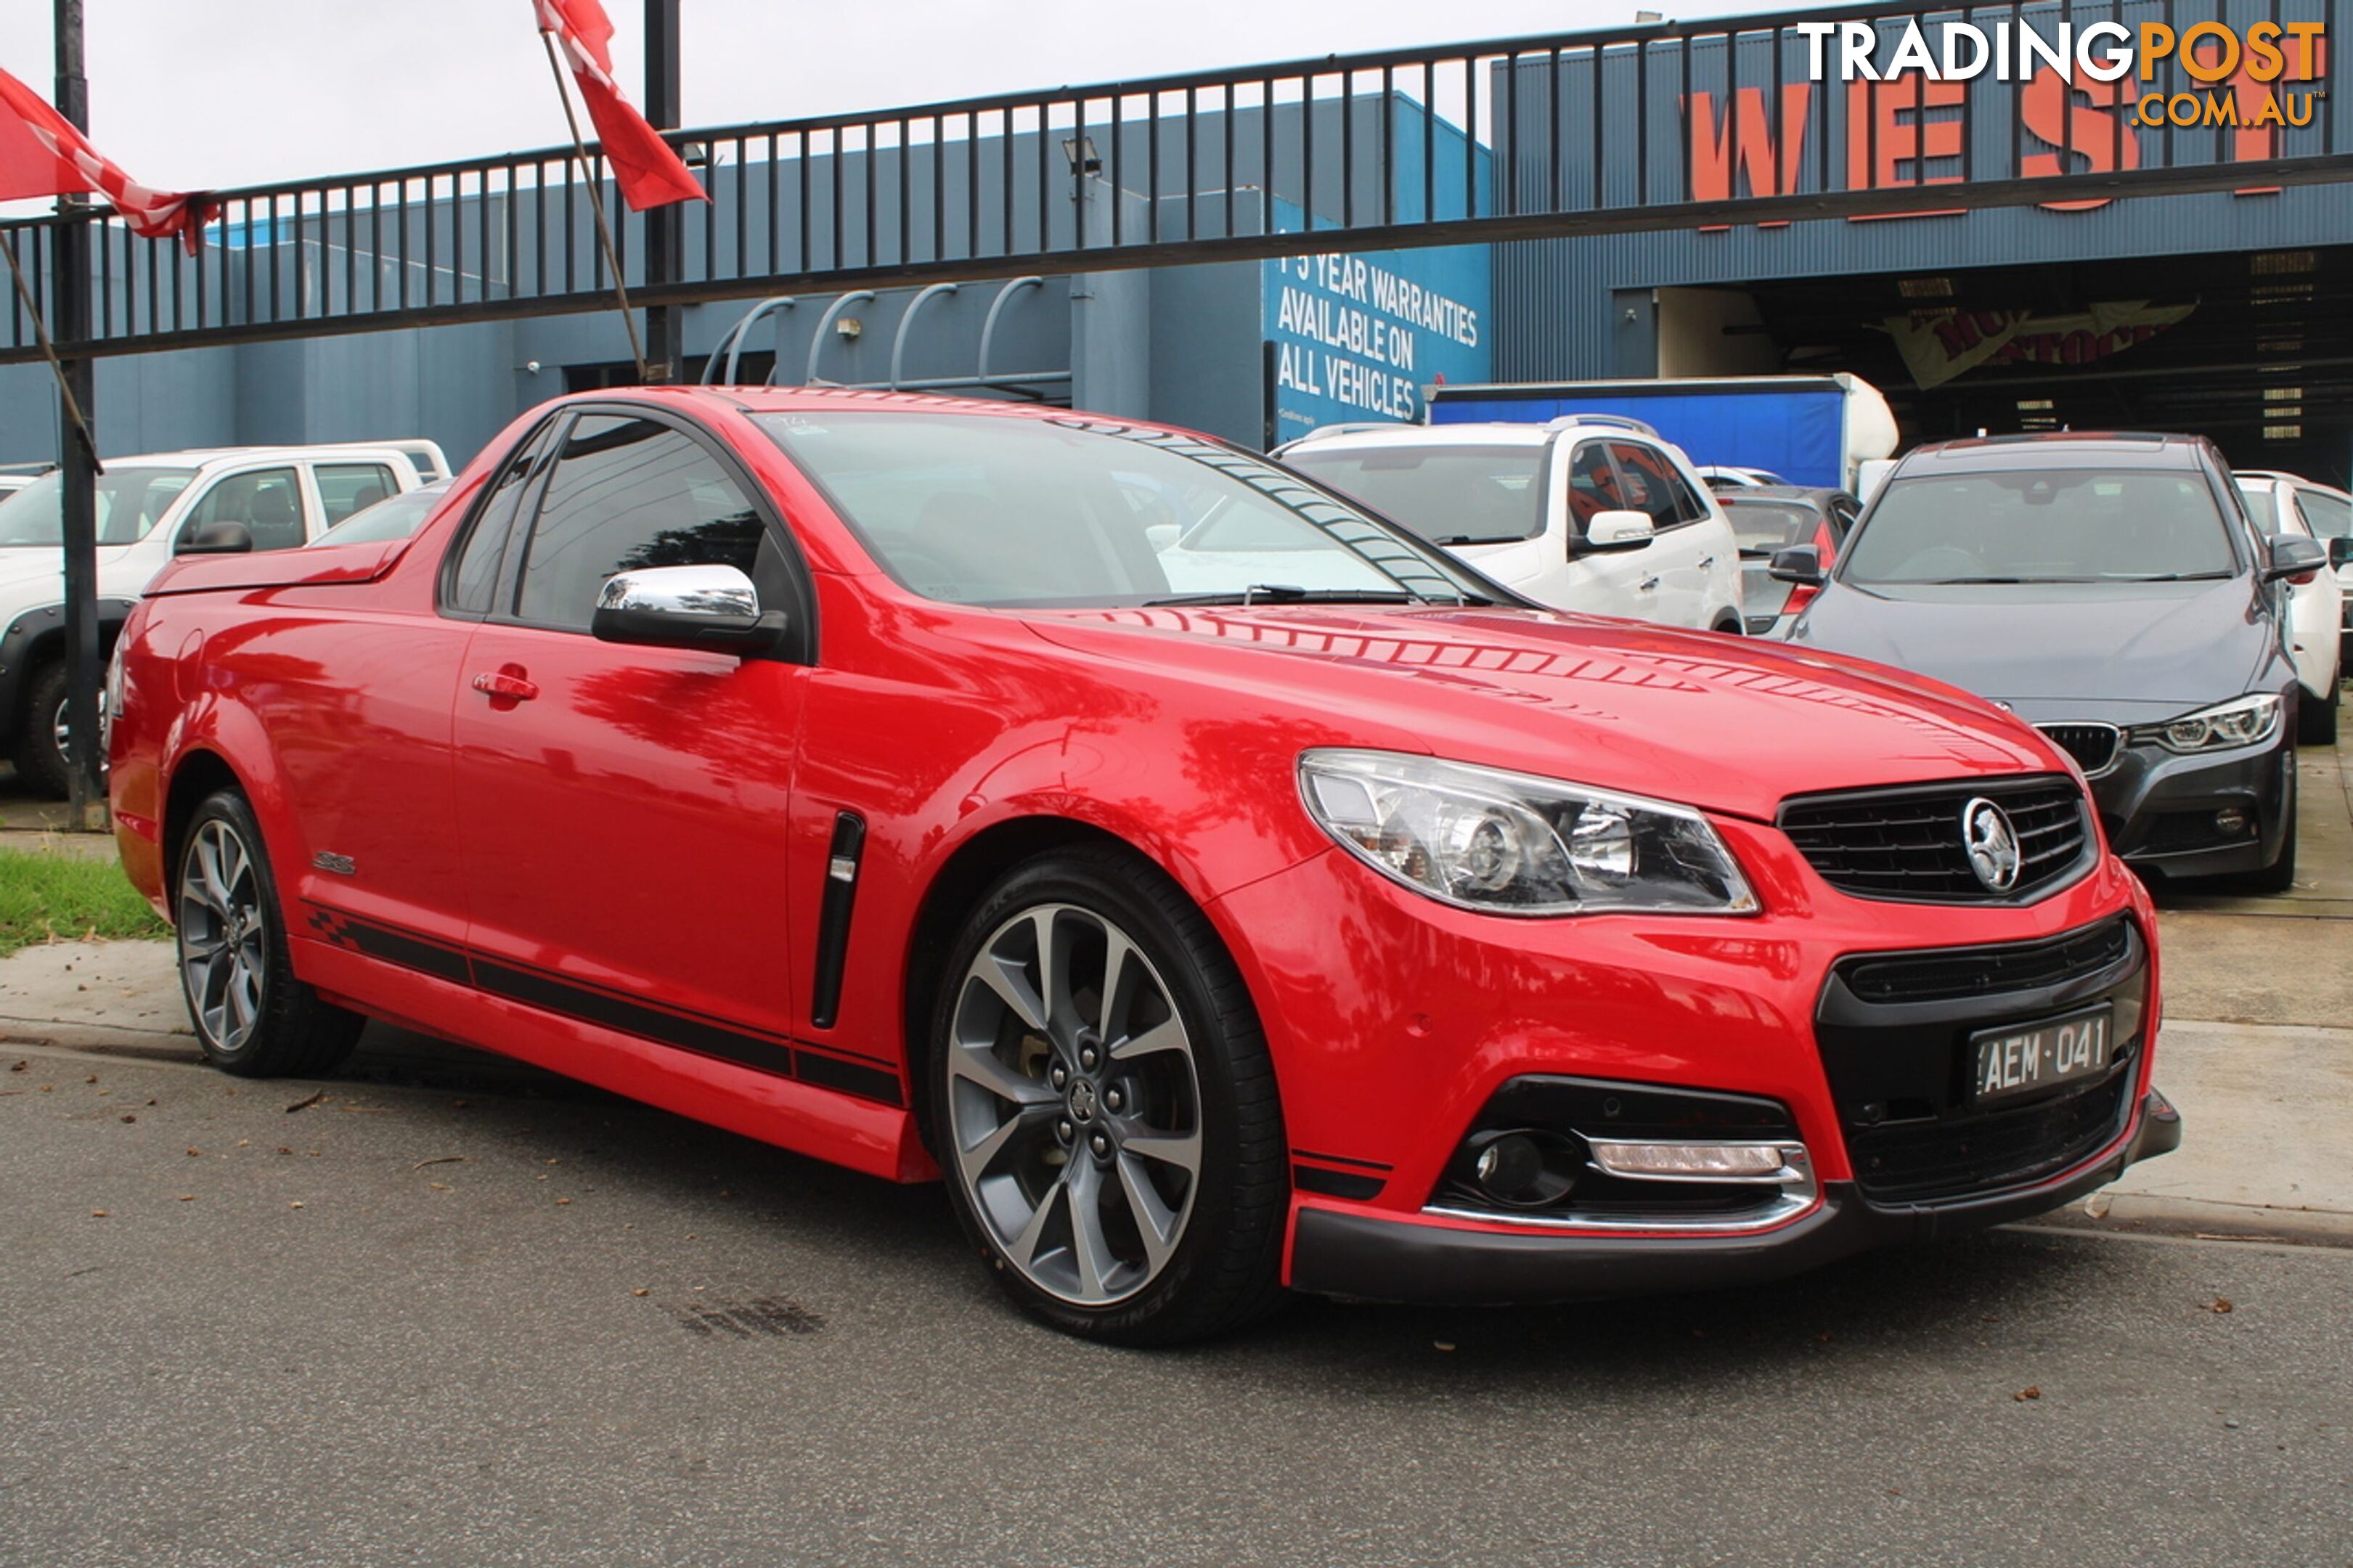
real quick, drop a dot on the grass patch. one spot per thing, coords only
(44, 897)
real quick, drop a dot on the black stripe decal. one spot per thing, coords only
(832, 1072)
(555, 994)
(400, 947)
(1336, 1183)
(632, 1017)
(1340, 1160)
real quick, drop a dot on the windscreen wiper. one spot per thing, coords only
(2163, 576)
(1981, 582)
(1289, 593)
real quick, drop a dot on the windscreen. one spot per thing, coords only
(2042, 525)
(1002, 512)
(395, 517)
(1449, 495)
(131, 501)
(1764, 527)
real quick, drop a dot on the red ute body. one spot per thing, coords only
(620, 879)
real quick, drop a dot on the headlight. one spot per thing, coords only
(2242, 721)
(1512, 843)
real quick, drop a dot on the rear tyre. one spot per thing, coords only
(2316, 722)
(1103, 1106)
(253, 1017)
(40, 750)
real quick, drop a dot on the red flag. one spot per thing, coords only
(42, 156)
(647, 172)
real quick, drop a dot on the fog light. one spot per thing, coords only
(2230, 821)
(1526, 1169)
(1701, 1162)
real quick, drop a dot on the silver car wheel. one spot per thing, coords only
(1073, 1105)
(222, 935)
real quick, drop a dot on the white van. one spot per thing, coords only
(282, 496)
(1589, 513)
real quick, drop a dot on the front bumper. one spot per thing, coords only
(2158, 809)
(1359, 1253)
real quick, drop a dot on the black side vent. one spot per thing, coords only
(841, 863)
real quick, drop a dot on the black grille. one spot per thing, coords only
(2094, 746)
(1933, 977)
(1895, 1030)
(1907, 843)
(1933, 1159)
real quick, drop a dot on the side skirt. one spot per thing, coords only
(763, 1102)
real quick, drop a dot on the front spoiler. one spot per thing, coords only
(1348, 1253)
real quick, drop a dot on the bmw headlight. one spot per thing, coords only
(1509, 843)
(2242, 721)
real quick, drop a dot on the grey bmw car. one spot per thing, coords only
(2110, 589)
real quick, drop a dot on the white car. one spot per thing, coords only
(1721, 476)
(1591, 512)
(148, 508)
(2317, 608)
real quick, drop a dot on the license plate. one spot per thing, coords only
(2008, 1063)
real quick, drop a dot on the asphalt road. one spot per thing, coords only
(490, 1318)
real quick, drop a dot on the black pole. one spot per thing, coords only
(69, 285)
(665, 225)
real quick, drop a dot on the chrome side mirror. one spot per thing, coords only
(713, 608)
(227, 537)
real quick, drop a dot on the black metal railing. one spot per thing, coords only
(1665, 126)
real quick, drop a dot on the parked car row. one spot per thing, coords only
(2176, 629)
(150, 509)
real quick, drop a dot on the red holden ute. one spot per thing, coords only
(1220, 888)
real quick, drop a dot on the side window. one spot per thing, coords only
(627, 494)
(2330, 517)
(1651, 483)
(347, 488)
(1592, 485)
(472, 580)
(269, 501)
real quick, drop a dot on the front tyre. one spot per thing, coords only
(40, 755)
(1103, 1106)
(253, 1017)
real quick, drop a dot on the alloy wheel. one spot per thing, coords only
(1073, 1105)
(222, 935)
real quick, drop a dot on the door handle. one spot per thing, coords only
(1646, 584)
(511, 686)
(1705, 562)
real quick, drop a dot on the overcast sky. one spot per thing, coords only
(214, 94)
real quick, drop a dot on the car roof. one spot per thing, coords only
(1469, 433)
(1816, 495)
(2055, 449)
(213, 457)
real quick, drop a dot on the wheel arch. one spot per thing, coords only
(950, 896)
(199, 774)
(36, 636)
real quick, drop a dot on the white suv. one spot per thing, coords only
(282, 497)
(1589, 513)
(2320, 608)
